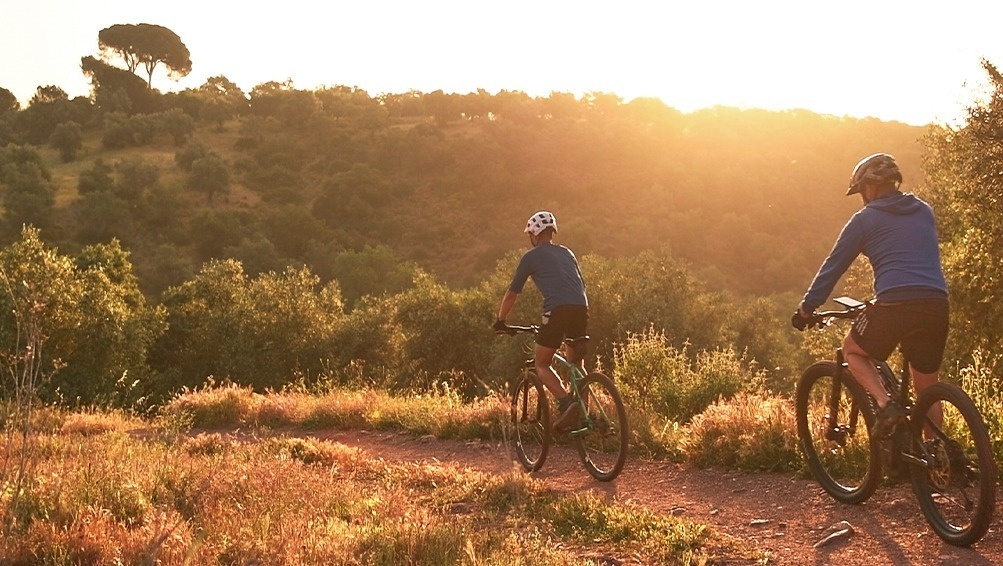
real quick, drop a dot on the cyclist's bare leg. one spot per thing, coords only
(862, 367)
(576, 355)
(542, 359)
(922, 381)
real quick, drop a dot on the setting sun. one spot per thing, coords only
(890, 60)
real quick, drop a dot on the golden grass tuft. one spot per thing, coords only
(90, 423)
(749, 432)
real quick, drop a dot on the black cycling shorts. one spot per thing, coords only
(919, 326)
(569, 321)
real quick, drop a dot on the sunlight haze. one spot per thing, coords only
(891, 60)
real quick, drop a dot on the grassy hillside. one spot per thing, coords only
(751, 199)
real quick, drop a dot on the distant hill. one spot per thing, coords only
(752, 199)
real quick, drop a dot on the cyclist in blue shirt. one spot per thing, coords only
(897, 233)
(555, 271)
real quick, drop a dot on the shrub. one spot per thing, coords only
(257, 332)
(748, 432)
(656, 375)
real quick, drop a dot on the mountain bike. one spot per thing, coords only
(953, 470)
(601, 431)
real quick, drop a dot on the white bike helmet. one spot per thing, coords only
(540, 221)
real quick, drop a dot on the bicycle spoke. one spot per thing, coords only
(834, 438)
(602, 437)
(956, 488)
(530, 420)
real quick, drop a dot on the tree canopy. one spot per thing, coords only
(146, 45)
(964, 168)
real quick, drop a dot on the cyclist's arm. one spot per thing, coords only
(508, 301)
(846, 249)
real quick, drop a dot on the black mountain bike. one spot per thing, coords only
(601, 432)
(952, 470)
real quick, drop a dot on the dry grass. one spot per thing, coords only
(101, 494)
(749, 432)
(442, 415)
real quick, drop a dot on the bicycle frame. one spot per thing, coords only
(899, 387)
(574, 374)
(603, 431)
(565, 367)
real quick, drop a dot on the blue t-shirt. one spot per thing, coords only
(898, 235)
(555, 272)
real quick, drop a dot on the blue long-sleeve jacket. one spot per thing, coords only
(898, 235)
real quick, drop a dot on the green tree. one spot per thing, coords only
(309, 231)
(260, 332)
(223, 100)
(94, 325)
(266, 98)
(213, 231)
(68, 138)
(177, 124)
(49, 107)
(28, 191)
(108, 361)
(97, 178)
(353, 199)
(102, 216)
(146, 45)
(630, 295)
(135, 178)
(118, 90)
(209, 175)
(8, 102)
(343, 101)
(375, 270)
(187, 154)
(964, 168)
(444, 337)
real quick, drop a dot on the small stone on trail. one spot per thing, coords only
(840, 530)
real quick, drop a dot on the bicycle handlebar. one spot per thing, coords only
(853, 307)
(512, 330)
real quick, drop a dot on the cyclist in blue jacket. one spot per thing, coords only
(555, 271)
(897, 233)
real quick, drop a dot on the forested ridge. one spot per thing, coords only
(751, 199)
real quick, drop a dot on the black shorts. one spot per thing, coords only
(919, 326)
(569, 321)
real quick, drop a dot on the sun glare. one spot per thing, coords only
(780, 54)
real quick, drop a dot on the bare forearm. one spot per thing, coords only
(508, 301)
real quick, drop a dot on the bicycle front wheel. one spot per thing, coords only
(957, 487)
(530, 419)
(834, 417)
(603, 432)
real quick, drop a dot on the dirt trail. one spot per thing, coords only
(776, 513)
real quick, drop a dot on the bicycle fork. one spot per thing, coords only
(834, 431)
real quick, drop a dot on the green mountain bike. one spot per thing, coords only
(952, 467)
(601, 432)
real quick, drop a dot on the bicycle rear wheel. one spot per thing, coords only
(603, 432)
(530, 418)
(957, 488)
(834, 418)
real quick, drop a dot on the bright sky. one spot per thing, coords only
(916, 62)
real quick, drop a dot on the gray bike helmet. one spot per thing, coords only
(879, 167)
(540, 221)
